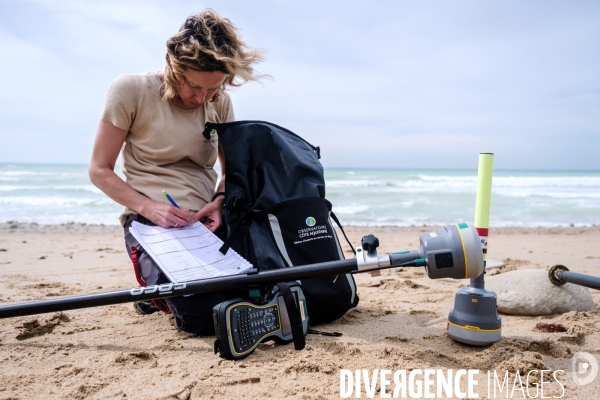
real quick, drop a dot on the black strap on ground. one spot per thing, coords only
(337, 221)
(316, 332)
(293, 311)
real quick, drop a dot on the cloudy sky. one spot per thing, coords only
(407, 84)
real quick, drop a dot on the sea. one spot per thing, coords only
(62, 194)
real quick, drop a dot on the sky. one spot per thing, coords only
(377, 84)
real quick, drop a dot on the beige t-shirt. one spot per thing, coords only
(164, 148)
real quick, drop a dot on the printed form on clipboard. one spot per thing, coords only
(189, 253)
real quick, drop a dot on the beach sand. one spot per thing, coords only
(112, 352)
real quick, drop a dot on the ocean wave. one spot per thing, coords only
(448, 178)
(428, 190)
(439, 223)
(354, 183)
(61, 194)
(546, 181)
(54, 201)
(350, 209)
(553, 194)
(26, 173)
(58, 219)
(49, 188)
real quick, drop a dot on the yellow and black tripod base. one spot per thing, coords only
(474, 319)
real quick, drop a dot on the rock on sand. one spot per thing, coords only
(530, 292)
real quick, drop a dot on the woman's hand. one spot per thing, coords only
(166, 215)
(210, 215)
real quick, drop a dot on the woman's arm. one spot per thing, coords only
(211, 214)
(107, 145)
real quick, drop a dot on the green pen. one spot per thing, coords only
(170, 199)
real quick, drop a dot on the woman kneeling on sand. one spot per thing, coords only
(155, 121)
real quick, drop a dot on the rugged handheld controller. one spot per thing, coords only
(240, 325)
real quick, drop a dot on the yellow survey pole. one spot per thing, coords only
(483, 202)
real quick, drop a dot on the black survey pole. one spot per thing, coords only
(178, 289)
(559, 275)
(366, 261)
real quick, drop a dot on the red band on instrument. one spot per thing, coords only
(482, 231)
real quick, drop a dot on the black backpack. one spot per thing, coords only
(275, 209)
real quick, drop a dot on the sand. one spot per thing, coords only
(112, 352)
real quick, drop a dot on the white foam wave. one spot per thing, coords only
(26, 173)
(354, 183)
(439, 223)
(49, 201)
(86, 188)
(514, 192)
(97, 219)
(547, 181)
(350, 209)
(447, 178)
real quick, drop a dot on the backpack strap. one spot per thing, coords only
(294, 314)
(136, 266)
(249, 215)
(337, 221)
(244, 222)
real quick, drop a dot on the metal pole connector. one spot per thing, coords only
(559, 275)
(554, 274)
(366, 260)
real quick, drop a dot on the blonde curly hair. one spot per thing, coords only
(208, 42)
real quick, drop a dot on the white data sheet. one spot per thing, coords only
(189, 253)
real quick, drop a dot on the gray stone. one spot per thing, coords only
(530, 292)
